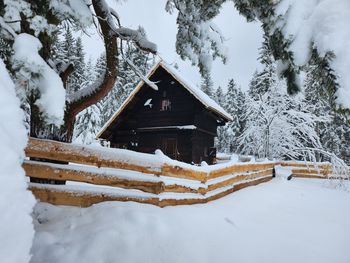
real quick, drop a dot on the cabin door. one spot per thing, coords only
(169, 147)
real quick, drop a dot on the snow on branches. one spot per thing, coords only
(297, 27)
(33, 72)
(125, 33)
(323, 25)
(198, 38)
(37, 67)
(294, 29)
(139, 39)
(277, 126)
(114, 29)
(74, 10)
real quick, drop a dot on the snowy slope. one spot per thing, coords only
(279, 221)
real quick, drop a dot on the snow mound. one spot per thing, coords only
(275, 222)
(16, 202)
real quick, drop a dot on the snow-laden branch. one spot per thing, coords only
(109, 29)
(152, 84)
(101, 87)
(198, 38)
(77, 10)
(139, 40)
(33, 70)
(87, 91)
(109, 14)
(323, 25)
(340, 170)
(7, 28)
(276, 124)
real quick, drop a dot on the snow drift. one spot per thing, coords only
(16, 202)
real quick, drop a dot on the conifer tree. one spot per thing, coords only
(68, 46)
(220, 140)
(264, 79)
(5, 50)
(234, 100)
(88, 122)
(78, 76)
(88, 125)
(207, 85)
(219, 96)
(320, 94)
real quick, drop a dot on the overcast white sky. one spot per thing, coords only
(243, 39)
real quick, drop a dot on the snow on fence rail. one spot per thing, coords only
(104, 174)
(309, 170)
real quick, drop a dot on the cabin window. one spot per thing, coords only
(165, 105)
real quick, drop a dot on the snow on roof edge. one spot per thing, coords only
(197, 93)
(126, 102)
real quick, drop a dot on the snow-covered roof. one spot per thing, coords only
(196, 92)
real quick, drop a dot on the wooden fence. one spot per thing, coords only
(120, 175)
(309, 170)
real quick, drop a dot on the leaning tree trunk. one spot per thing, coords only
(38, 127)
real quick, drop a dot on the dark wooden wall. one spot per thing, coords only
(192, 145)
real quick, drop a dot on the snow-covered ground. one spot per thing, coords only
(301, 220)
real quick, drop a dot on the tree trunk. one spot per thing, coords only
(38, 127)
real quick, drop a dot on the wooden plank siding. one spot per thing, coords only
(138, 126)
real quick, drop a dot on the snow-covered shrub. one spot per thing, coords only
(16, 202)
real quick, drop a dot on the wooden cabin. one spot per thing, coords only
(178, 119)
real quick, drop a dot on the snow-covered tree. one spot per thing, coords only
(293, 28)
(207, 85)
(263, 80)
(68, 46)
(219, 96)
(88, 124)
(78, 76)
(234, 105)
(68, 51)
(198, 38)
(280, 126)
(233, 101)
(320, 94)
(32, 27)
(220, 140)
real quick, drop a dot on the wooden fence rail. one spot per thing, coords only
(144, 178)
(309, 170)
